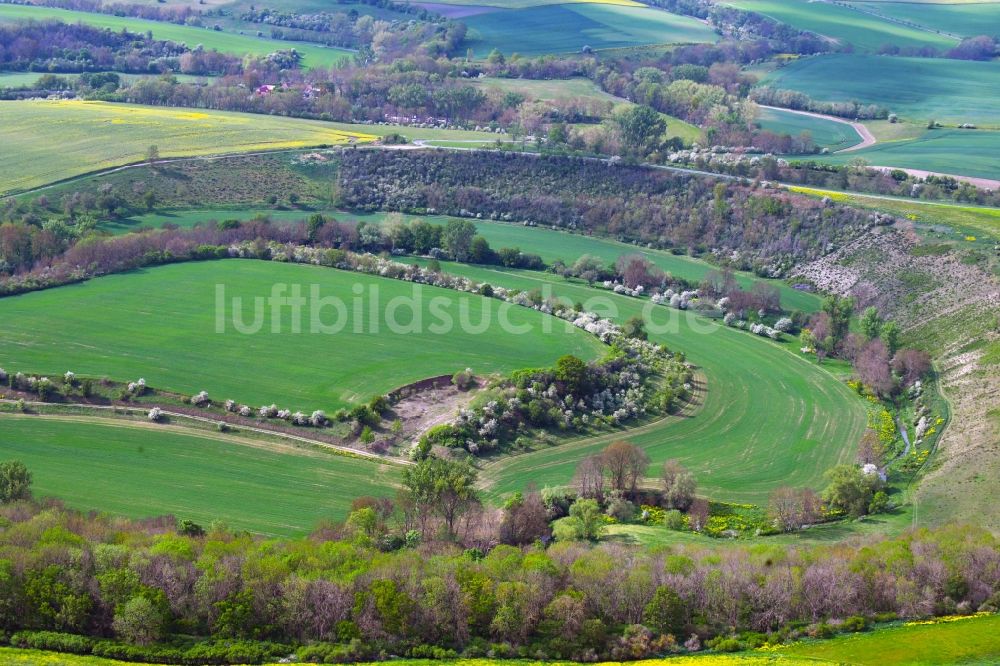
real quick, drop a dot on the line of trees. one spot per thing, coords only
(434, 573)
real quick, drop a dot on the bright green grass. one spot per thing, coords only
(568, 28)
(160, 324)
(45, 141)
(846, 26)
(312, 55)
(966, 641)
(965, 19)
(755, 430)
(951, 91)
(140, 470)
(547, 243)
(825, 133)
(952, 151)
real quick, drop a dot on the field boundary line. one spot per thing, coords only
(344, 450)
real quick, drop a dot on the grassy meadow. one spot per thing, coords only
(750, 432)
(161, 324)
(141, 470)
(46, 141)
(969, 640)
(844, 25)
(549, 244)
(313, 55)
(825, 133)
(567, 28)
(949, 91)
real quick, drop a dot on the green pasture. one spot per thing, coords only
(961, 641)
(954, 18)
(949, 91)
(567, 28)
(162, 324)
(141, 470)
(753, 430)
(547, 243)
(952, 151)
(313, 55)
(45, 141)
(845, 25)
(27, 79)
(825, 133)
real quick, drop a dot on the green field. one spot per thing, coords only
(160, 324)
(313, 55)
(844, 25)
(962, 19)
(23, 79)
(567, 28)
(950, 91)
(140, 470)
(952, 151)
(826, 133)
(963, 641)
(46, 141)
(752, 432)
(547, 243)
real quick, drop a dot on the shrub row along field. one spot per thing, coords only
(958, 18)
(965, 640)
(142, 470)
(752, 432)
(825, 133)
(313, 55)
(950, 91)
(844, 25)
(45, 141)
(549, 244)
(567, 28)
(160, 324)
(953, 151)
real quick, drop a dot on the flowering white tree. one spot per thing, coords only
(155, 414)
(200, 399)
(318, 418)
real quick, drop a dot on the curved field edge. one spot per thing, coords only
(141, 470)
(756, 429)
(164, 323)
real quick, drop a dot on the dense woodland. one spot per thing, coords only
(387, 582)
(756, 229)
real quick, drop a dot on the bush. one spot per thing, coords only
(51, 640)
(463, 379)
(855, 623)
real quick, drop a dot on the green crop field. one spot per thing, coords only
(142, 470)
(21, 79)
(826, 133)
(953, 151)
(962, 641)
(80, 137)
(547, 243)
(161, 324)
(567, 28)
(753, 432)
(962, 19)
(844, 25)
(313, 55)
(951, 91)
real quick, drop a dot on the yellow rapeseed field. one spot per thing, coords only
(43, 141)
